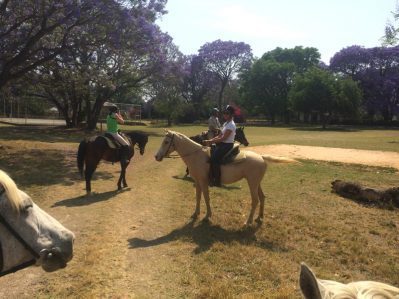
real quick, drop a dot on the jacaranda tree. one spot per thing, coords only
(225, 59)
(377, 71)
(198, 82)
(108, 58)
(33, 32)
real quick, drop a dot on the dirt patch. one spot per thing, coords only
(355, 156)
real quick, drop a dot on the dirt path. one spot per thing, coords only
(121, 247)
(355, 156)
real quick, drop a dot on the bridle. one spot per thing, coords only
(22, 241)
(171, 143)
(181, 156)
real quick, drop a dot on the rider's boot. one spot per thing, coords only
(214, 175)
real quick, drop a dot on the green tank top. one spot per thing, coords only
(112, 124)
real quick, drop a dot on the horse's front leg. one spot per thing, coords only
(88, 175)
(254, 203)
(124, 176)
(197, 201)
(121, 176)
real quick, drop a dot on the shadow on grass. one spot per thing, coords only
(189, 179)
(88, 200)
(41, 133)
(44, 167)
(40, 167)
(328, 129)
(205, 235)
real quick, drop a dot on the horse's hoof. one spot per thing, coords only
(206, 220)
(247, 224)
(194, 216)
(259, 220)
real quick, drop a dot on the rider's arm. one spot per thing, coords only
(218, 139)
(119, 118)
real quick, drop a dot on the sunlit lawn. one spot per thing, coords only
(343, 137)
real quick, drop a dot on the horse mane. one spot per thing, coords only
(137, 133)
(182, 136)
(142, 136)
(11, 191)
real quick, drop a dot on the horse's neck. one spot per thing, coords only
(14, 253)
(185, 146)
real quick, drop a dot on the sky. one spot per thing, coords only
(328, 25)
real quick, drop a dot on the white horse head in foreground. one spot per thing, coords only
(252, 167)
(314, 288)
(28, 235)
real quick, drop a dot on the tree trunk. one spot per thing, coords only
(95, 113)
(224, 83)
(381, 197)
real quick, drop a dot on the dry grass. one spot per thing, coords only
(140, 243)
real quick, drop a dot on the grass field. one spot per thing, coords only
(343, 137)
(140, 243)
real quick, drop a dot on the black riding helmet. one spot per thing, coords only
(113, 109)
(215, 111)
(229, 109)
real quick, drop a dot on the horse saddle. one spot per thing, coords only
(112, 142)
(234, 155)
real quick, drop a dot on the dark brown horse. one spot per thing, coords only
(92, 150)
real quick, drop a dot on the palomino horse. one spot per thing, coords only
(28, 235)
(91, 151)
(314, 288)
(253, 168)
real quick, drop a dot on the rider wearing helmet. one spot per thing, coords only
(113, 119)
(224, 142)
(213, 123)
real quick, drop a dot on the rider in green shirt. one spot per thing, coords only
(113, 119)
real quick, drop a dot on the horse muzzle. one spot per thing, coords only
(53, 259)
(57, 257)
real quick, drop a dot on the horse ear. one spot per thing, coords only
(308, 283)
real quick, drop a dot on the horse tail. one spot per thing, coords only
(81, 156)
(269, 158)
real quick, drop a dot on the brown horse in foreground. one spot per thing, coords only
(252, 168)
(91, 151)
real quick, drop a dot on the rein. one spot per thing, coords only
(22, 241)
(171, 142)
